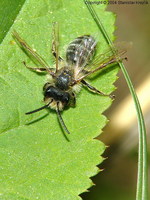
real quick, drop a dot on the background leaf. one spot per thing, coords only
(37, 161)
(8, 12)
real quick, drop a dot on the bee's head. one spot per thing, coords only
(56, 96)
(57, 99)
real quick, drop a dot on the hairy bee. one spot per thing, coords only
(60, 91)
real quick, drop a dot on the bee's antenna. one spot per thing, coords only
(38, 109)
(61, 119)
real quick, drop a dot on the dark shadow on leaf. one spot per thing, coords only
(40, 118)
(36, 120)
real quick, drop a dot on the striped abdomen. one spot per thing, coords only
(81, 50)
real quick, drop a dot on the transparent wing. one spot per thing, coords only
(102, 59)
(80, 52)
(30, 51)
(55, 43)
(117, 52)
(85, 53)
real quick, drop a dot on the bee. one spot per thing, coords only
(69, 74)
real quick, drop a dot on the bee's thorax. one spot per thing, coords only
(63, 79)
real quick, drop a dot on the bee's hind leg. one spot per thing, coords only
(36, 69)
(93, 89)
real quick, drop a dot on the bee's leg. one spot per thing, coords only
(93, 89)
(36, 68)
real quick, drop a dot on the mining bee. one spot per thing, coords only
(70, 73)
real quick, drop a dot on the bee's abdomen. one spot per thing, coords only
(81, 50)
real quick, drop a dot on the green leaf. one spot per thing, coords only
(37, 160)
(8, 12)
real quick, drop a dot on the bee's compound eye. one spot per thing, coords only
(66, 98)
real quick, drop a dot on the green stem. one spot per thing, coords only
(142, 177)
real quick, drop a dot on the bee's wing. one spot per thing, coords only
(85, 53)
(102, 60)
(55, 43)
(30, 51)
(118, 50)
(80, 52)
